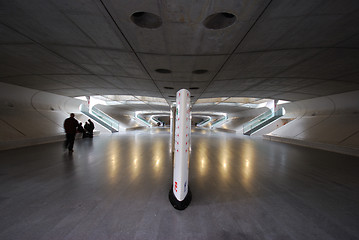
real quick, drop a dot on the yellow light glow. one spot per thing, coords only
(135, 150)
(201, 153)
(113, 163)
(247, 167)
(224, 154)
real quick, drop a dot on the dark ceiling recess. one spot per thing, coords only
(219, 20)
(200, 71)
(146, 20)
(194, 88)
(161, 70)
(171, 96)
(168, 87)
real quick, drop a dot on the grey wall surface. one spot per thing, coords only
(29, 117)
(329, 123)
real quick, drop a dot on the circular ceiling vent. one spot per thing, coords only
(200, 71)
(162, 70)
(219, 20)
(146, 20)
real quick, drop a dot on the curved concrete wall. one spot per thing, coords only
(29, 117)
(330, 123)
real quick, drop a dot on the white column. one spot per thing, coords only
(172, 129)
(180, 196)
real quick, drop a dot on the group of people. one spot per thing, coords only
(87, 129)
(72, 126)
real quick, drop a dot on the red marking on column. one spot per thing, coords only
(187, 94)
(177, 150)
(186, 150)
(179, 94)
(186, 143)
(186, 135)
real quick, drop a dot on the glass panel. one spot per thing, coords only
(98, 115)
(261, 119)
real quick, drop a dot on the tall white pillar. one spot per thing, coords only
(172, 129)
(180, 196)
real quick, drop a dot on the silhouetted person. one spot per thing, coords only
(86, 130)
(70, 126)
(81, 130)
(90, 129)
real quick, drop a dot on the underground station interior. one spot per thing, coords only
(230, 119)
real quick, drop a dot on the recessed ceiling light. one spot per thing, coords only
(219, 20)
(146, 20)
(200, 71)
(162, 70)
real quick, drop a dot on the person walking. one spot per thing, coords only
(70, 126)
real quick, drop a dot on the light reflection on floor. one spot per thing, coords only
(116, 187)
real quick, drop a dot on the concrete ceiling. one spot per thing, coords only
(280, 49)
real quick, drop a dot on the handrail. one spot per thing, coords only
(219, 121)
(261, 118)
(97, 113)
(204, 122)
(141, 120)
(104, 117)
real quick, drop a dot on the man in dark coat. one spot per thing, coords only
(91, 128)
(70, 126)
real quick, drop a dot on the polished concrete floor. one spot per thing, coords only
(116, 187)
